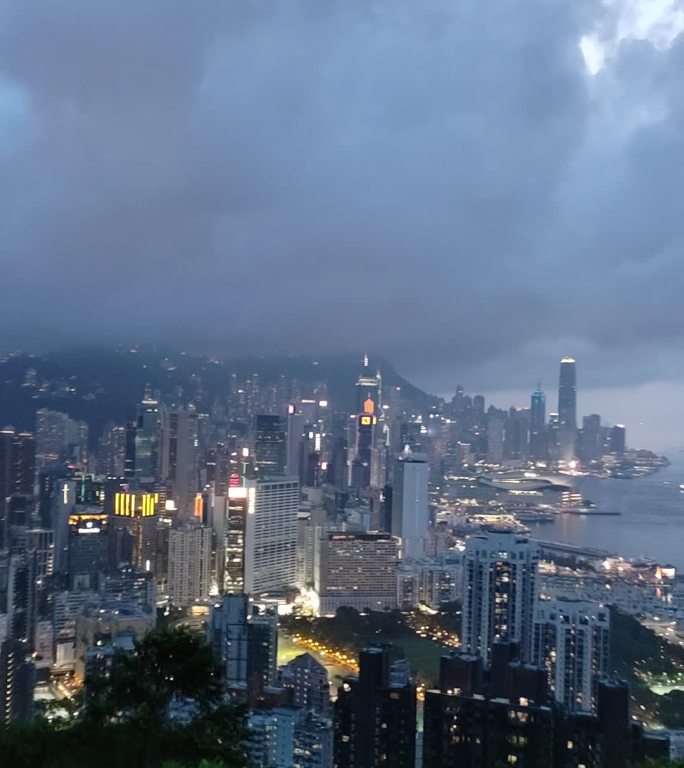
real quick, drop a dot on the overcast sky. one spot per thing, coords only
(472, 188)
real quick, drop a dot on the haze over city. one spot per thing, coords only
(341, 384)
(469, 194)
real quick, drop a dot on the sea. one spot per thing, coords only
(651, 523)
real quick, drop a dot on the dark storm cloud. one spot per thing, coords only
(439, 181)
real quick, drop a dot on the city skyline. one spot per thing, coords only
(474, 237)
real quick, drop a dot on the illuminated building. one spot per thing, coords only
(133, 529)
(538, 437)
(358, 570)
(571, 641)
(271, 534)
(17, 473)
(375, 716)
(234, 540)
(465, 725)
(189, 578)
(500, 592)
(289, 737)
(17, 682)
(410, 513)
(308, 680)
(567, 408)
(87, 548)
(361, 465)
(111, 450)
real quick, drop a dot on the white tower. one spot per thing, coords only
(499, 592)
(410, 513)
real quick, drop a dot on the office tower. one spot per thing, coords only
(590, 444)
(410, 512)
(179, 461)
(17, 682)
(270, 446)
(363, 458)
(466, 725)
(307, 678)
(500, 592)
(22, 598)
(88, 546)
(538, 436)
(375, 716)
(567, 408)
(295, 439)
(271, 534)
(244, 643)
(133, 529)
(144, 441)
(618, 439)
(189, 579)
(571, 641)
(111, 450)
(496, 432)
(358, 570)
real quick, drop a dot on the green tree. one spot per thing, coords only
(162, 703)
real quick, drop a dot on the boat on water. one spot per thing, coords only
(681, 486)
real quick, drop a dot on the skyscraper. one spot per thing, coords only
(146, 439)
(538, 438)
(271, 534)
(270, 447)
(410, 513)
(571, 641)
(500, 592)
(567, 408)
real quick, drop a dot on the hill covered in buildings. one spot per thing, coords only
(97, 384)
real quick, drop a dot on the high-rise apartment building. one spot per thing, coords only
(571, 641)
(375, 716)
(190, 561)
(567, 408)
(308, 680)
(410, 512)
(500, 592)
(270, 542)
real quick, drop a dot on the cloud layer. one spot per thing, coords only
(446, 183)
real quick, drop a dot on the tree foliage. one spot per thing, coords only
(159, 707)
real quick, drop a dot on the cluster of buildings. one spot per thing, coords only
(272, 499)
(529, 685)
(516, 436)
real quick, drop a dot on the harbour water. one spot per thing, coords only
(651, 523)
